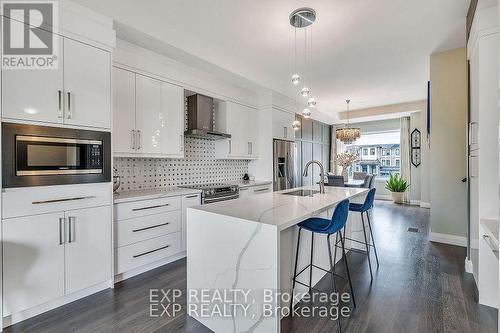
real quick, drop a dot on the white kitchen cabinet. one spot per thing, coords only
(282, 125)
(77, 93)
(88, 247)
(242, 123)
(187, 201)
(33, 261)
(172, 110)
(148, 116)
(35, 95)
(87, 84)
(249, 191)
(124, 111)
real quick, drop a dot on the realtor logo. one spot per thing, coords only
(30, 40)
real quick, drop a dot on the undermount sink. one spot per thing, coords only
(302, 193)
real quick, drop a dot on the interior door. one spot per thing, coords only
(88, 247)
(87, 85)
(35, 95)
(33, 261)
(172, 124)
(123, 111)
(149, 115)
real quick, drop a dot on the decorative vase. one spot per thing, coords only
(397, 197)
(345, 175)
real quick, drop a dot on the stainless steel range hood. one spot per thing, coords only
(201, 118)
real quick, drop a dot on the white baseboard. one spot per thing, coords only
(383, 197)
(448, 239)
(415, 202)
(425, 204)
(469, 268)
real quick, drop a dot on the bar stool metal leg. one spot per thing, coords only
(295, 270)
(367, 246)
(373, 239)
(311, 268)
(334, 287)
(344, 257)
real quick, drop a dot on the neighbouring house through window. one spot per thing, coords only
(378, 154)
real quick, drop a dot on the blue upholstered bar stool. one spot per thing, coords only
(365, 208)
(328, 227)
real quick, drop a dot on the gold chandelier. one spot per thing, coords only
(348, 134)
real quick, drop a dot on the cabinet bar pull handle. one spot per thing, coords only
(139, 139)
(229, 146)
(132, 139)
(192, 196)
(61, 223)
(61, 200)
(261, 190)
(244, 189)
(181, 137)
(151, 227)
(59, 92)
(71, 232)
(149, 252)
(150, 207)
(285, 132)
(68, 116)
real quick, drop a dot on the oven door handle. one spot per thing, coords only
(221, 198)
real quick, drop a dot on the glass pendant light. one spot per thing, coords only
(306, 113)
(295, 79)
(296, 125)
(305, 92)
(311, 102)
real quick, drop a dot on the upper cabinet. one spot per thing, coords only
(77, 93)
(148, 116)
(242, 122)
(282, 125)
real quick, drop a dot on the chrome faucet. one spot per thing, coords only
(321, 174)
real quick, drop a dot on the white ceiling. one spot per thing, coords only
(375, 52)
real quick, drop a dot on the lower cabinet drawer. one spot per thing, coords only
(146, 227)
(140, 208)
(145, 252)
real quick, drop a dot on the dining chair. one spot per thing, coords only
(359, 175)
(334, 180)
(368, 181)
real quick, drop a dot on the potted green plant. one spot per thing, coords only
(398, 186)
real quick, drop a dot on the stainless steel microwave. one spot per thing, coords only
(41, 155)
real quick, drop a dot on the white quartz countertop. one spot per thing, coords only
(249, 183)
(281, 210)
(128, 196)
(491, 226)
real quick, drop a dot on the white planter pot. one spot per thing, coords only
(397, 197)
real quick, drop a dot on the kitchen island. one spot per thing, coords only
(240, 256)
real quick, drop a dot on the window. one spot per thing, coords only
(371, 144)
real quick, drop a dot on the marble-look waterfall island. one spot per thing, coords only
(240, 255)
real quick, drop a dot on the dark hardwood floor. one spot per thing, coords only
(419, 287)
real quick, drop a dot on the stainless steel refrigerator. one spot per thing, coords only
(284, 165)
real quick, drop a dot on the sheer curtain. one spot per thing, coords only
(405, 154)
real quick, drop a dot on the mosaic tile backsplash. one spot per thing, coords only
(199, 166)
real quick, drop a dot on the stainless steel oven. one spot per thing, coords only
(40, 155)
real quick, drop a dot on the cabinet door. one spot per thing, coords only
(326, 134)
(236, 126)
(87, 85)
(307, 155)
(33, 261)
(318, 156)
(282, 125)
(187, 201)
(123, 111)
(307, 129)
(326, 157)
(88, 247)
(35, 95)
(317, 131)
(149, 116)
(172, 124)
